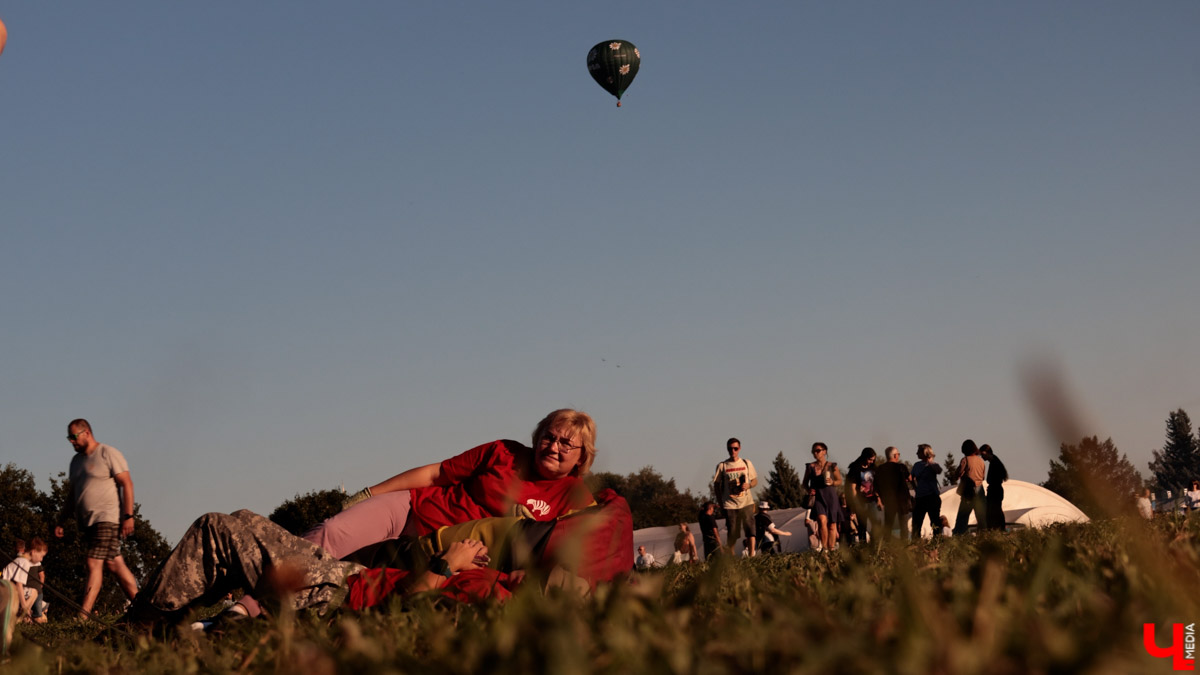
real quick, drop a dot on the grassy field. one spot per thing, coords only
(1070, 598)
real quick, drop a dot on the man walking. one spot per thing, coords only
(733, 480)
(104, 516)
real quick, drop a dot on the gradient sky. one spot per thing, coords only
(274, 247)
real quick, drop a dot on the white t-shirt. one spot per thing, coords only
(1193, 498)
(735, 472)
(17, 571)
(92, 481)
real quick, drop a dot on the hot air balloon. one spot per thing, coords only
(3, 36)
(613, 65)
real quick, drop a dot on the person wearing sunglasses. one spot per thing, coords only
(500, 478)
(496, 479)
(98, 473)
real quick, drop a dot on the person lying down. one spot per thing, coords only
(471, 562)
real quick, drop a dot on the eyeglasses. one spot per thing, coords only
(71, 437)
(564, 443)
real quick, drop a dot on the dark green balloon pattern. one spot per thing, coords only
(613, 65)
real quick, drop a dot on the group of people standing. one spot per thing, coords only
(891, 489)
(870, 496)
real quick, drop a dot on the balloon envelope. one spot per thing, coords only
(3, 36)
(613, 65)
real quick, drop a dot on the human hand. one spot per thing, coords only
(360, 496)
(58, 532)
(126, 527)
(466, 554)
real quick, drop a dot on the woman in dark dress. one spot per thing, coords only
(823, 478)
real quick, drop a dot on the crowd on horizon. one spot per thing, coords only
(872, 498)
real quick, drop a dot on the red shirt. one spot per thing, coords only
(484, 482)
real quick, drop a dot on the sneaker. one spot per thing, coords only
(222, 623)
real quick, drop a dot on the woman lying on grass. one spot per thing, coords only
(471, 561)
(501, 478)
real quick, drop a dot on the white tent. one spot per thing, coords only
(660, 541)
(1025, 505)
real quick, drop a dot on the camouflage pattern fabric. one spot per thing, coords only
(222, 552)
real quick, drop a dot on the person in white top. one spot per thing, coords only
(1145, 508)
(102, 499)
(17, 572)
(644, 560)
(733, 480)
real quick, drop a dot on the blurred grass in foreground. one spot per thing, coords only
(1070, 598)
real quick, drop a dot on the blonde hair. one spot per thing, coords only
(578, 422)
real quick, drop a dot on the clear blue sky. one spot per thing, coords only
(272, 247)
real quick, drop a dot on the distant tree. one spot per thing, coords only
(951, 465)
(783, 485)
(654, 500)
(26, 512)
(22, 509)
(1177, 464)
(1095, 477)
(302, 512)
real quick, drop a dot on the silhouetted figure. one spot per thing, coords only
(928, 499)
(996, 475)
(969, 474)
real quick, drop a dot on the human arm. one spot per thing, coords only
(422, 476)
(458, 556)
(67, 511)
(125, 482)
(25, 603)
(720, 484)
(778, 532)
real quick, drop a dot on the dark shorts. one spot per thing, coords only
(103, 541)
